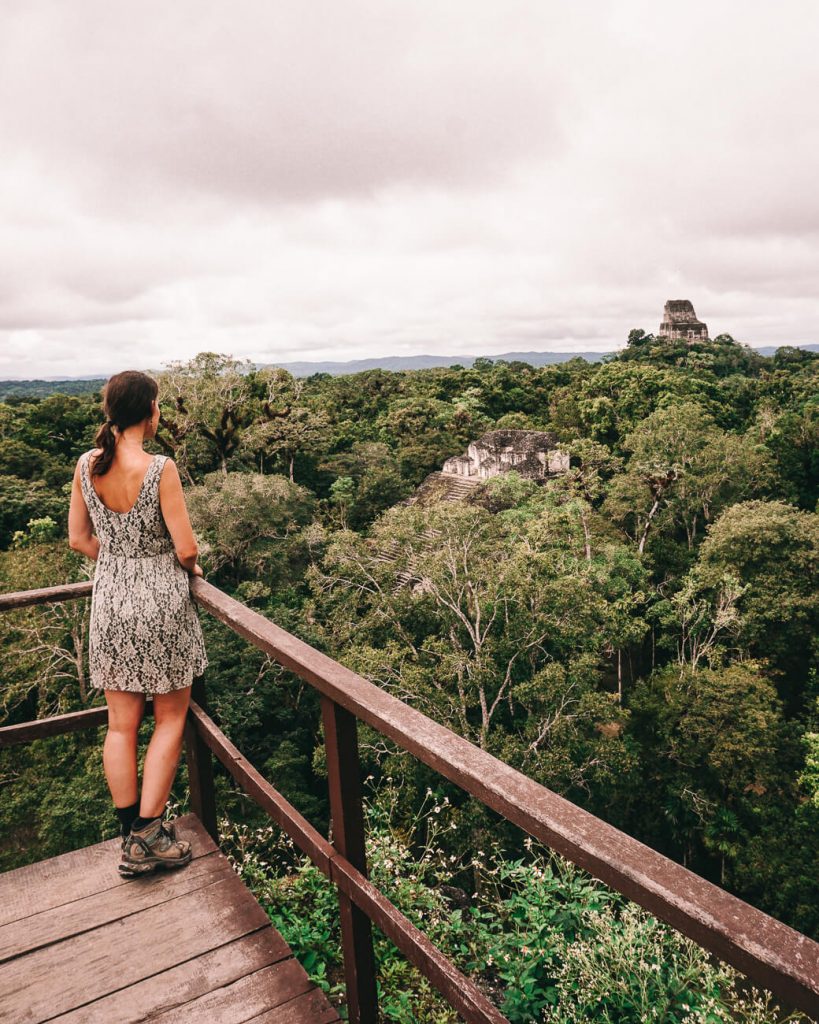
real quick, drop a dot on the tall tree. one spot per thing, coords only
(205, 403)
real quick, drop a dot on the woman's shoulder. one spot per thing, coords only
(166, 461)
(89, 456)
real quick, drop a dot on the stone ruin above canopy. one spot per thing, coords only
(680, 322)
(532, 453)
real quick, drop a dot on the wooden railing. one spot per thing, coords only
(770, 953)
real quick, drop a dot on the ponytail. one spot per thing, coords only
(106, 440)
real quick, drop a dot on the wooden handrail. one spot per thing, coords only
(461, 993)
(769, 952)
(45, 595)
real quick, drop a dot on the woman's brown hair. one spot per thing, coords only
(126, 400)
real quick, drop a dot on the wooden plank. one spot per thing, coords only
(354, 887)
(766, 950)
(248, 996)
(306, 837)
(63, 592)
(48, 883)
(78, 970)
(310, 1008)
(55, 725)
(82, 915)
(69, 876)
(200, 766)
(176, 986)
(344, 782)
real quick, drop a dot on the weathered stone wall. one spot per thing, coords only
(532, 453)
(680, 322)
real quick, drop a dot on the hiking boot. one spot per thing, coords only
(154, 846)
(170, 828)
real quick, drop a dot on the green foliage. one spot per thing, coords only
(541, 938)
(60, 426)
(721, 762)
(509, 608)
(809, 777)
(39, 531)
(773, 549)
(29, 463)
(717, 357)
(205, 405)
(643, 623)
(246, 522)
(24, 500)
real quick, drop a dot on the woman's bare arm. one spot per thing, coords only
(175, 513)
(81, 536)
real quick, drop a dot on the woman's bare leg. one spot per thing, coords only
(119, 751)
(162, 755)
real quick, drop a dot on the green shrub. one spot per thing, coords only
(544, 940)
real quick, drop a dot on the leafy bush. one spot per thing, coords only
(544, 940)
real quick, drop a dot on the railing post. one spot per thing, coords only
(200, 766)
(344, 780)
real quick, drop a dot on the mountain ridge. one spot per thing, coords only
(339, 367)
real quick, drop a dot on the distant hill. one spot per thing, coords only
(769, 350)
(426, 362)
(41, 388)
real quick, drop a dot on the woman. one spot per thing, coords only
(128, 513)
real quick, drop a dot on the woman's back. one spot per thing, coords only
(138, 530)
(145, 633)
(120, 486)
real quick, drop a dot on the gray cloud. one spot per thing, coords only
(280, 102)
(301, 181)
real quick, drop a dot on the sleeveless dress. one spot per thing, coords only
(145, 635)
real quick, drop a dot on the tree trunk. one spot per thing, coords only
(651, 515)
(587, 537)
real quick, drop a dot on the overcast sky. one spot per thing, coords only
(339, 179)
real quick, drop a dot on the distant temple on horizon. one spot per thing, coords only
(680, 322)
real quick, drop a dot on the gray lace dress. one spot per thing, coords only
(145, 635)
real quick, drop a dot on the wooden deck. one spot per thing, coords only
(81, 944)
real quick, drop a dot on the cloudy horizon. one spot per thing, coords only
(305, 182)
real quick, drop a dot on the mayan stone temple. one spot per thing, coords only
(680, 322)
(533, 453)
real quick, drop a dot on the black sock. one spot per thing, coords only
(126, 816)
(140, 823)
